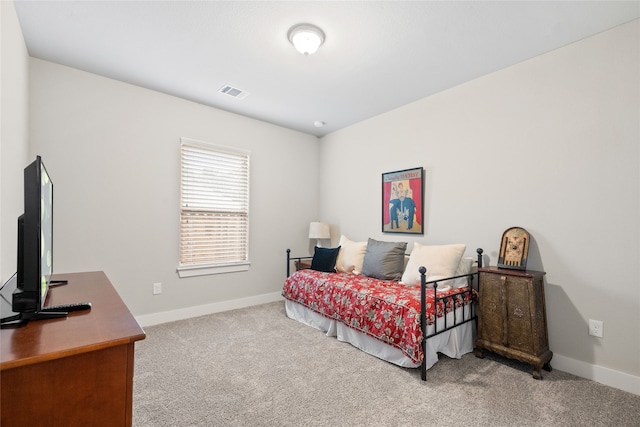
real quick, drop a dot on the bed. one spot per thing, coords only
(387, 316)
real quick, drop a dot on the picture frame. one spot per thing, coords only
(402, 201)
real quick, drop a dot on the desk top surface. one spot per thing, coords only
(510, 272)
(109, 323)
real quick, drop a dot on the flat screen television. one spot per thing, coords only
(35, 245)
(35, 241)
(31, 283)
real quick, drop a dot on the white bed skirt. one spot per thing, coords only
(453, 343)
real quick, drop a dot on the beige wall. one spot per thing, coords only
(551, 145)
(14, 84)
(112, 150)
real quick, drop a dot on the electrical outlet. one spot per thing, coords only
(596, 328)
(157, 288)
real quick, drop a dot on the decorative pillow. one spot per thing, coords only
(324, 259)
(442, 286)
(439, 260)
(351, 256)
(464, 267)
(384, 260)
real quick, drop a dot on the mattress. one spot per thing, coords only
(453, 343)
(381, 318)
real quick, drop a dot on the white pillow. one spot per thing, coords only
(463, 268)
(351, 256)
(442, 286)
(439, 260)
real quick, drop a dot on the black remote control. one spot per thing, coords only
(78, 306)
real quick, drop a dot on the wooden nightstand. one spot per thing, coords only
(303, 264)
(512, 319)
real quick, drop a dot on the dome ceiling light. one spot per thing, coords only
(306, 38)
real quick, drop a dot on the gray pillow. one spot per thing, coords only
(384, 260)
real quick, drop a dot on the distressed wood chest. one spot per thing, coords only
(512, 319)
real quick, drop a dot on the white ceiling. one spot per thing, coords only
(377, 55)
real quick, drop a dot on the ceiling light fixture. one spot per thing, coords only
(306, 38)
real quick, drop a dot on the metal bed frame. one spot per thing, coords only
(467, 293)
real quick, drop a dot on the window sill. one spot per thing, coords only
(205, 270)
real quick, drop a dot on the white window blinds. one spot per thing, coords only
(214, 205)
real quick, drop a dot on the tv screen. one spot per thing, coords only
(46, 231)
(35, 240)
(35, 254)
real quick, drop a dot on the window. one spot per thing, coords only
(214, 209)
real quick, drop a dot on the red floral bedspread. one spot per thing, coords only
(386, 310)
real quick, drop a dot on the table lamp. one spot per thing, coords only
(319, 231)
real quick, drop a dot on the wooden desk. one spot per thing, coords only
(73, 371)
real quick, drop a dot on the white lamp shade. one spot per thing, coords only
(319, 230)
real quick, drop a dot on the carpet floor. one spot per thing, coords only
(256, 367)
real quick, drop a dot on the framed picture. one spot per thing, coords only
(402, 196)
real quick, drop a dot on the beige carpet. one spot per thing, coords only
(256, 367)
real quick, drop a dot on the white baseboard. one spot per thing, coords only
(606, 376)
(203, 310)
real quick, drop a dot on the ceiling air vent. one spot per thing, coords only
(233, 91)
